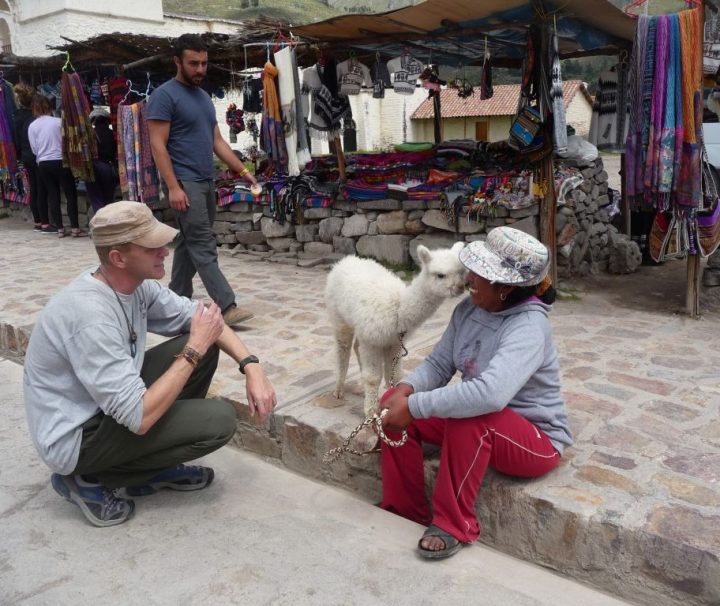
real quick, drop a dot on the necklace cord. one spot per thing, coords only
(131, 330)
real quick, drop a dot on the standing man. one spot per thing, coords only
(105, 414)
(183, 135)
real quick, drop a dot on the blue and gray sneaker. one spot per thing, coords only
(99, 505)
(180, 477)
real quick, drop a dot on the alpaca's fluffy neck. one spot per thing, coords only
(416, 305)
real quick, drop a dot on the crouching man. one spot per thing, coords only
(105, 414)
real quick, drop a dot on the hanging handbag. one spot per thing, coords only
(525, 127)
(707, 227)
(669, 237)
(707, 221)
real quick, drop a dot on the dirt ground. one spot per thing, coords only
(658, 288)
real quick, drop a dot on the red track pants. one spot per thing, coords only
(504, 440)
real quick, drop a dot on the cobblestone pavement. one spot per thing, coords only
(634, 507)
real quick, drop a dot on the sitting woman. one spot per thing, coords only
(507, 413)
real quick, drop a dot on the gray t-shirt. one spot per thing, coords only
(78, 361)
(191, 114)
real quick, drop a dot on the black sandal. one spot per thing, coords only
(452, 545)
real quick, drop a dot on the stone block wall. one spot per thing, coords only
(587, 240)
(390, 230)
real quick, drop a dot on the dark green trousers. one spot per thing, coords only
(192, 427)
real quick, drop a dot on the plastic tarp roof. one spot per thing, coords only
(454, 31)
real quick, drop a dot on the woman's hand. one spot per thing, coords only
(396, 401)
(206, 326)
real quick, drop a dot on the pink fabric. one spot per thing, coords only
(504, 440)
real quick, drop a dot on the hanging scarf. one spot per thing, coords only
(633, 140)
(672, 127)
(689, 181)
(272, 138)
(286, 90)
(303, 141)
(126, 153)
(78, 138)
(139, 179)
(657, 109)
(558, 102)
(8, 160)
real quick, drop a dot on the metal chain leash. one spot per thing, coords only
(375, 422)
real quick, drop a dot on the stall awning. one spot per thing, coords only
(453, 31)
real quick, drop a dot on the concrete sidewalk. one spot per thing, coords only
(635, 505)
(258, 535)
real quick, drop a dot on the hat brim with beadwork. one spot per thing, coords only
(508, 256)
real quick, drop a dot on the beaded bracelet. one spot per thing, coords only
(191, 355)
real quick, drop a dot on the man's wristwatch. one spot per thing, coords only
(245, 361)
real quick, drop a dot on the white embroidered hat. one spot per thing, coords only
(508, 256)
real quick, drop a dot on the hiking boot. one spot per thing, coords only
(180, 477)
(236, 315)
(99, 505)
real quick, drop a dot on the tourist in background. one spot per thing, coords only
(45, 137)
(23, 117)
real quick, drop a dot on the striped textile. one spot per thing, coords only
(78, 138)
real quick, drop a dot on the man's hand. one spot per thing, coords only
(178, 199)
(206, 326)
(260, 392)
(396, 400)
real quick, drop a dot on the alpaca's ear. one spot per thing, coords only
(457, 247)
(423, 254)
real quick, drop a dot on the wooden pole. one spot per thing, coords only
(340, 157)
(625, 202)
(548, 210)
(692, 295)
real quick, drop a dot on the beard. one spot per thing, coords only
(189, 78)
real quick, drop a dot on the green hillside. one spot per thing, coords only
(295, 12)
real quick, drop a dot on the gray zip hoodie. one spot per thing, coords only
(506, 358)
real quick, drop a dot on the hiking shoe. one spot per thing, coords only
(235, 315)
(99, 505)
(180, 477)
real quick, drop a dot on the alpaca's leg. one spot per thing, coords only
(390, 354)
(343, 344)
(371, 372)
(356, 347)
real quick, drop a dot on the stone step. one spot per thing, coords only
(550, 521)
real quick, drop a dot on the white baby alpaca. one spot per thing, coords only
(371, 305)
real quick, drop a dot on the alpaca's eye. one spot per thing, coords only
(441, 276)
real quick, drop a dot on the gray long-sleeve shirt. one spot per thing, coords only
(78, 361)
(506, 358)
